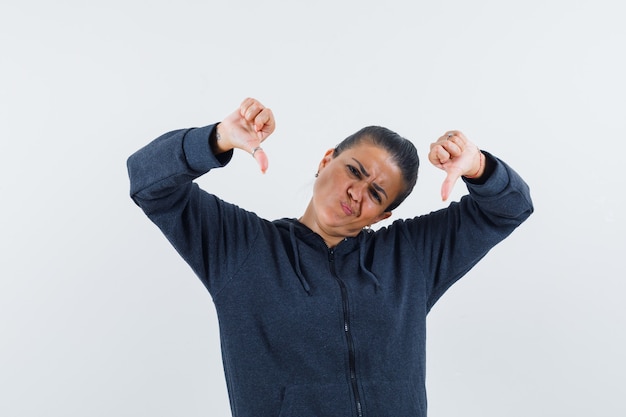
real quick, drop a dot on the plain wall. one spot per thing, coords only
(100, 317)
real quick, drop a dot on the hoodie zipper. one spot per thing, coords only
(347, 331)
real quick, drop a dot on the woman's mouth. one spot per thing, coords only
(346, 209)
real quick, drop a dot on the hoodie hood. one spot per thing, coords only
(301, 234)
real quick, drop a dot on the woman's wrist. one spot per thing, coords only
(481, 167)
(217, 141)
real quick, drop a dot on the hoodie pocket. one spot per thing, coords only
(394, 399)
(312, 400)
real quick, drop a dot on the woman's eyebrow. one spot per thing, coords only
(362, 168)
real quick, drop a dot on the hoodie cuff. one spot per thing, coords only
(496, 180)
(197, 149)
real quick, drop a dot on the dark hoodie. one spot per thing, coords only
(308, 330)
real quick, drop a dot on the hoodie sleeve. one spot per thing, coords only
(212, 236)
(451, 241)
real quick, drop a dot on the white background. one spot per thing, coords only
(100, 317)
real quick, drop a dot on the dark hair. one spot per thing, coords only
(402, 151)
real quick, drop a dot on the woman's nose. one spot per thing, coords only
(356, 191)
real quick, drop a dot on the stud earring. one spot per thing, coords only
(317, 174)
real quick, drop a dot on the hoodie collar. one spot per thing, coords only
(299, 231)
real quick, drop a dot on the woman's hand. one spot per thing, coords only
(456, 155)
(246, 128)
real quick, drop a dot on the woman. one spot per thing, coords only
(320, 316)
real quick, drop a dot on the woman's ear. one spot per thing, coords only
(328, 156)
(382, 216)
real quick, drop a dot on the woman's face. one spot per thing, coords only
(353, 190)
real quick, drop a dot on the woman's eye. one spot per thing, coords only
(376, 196)
(354, 171)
